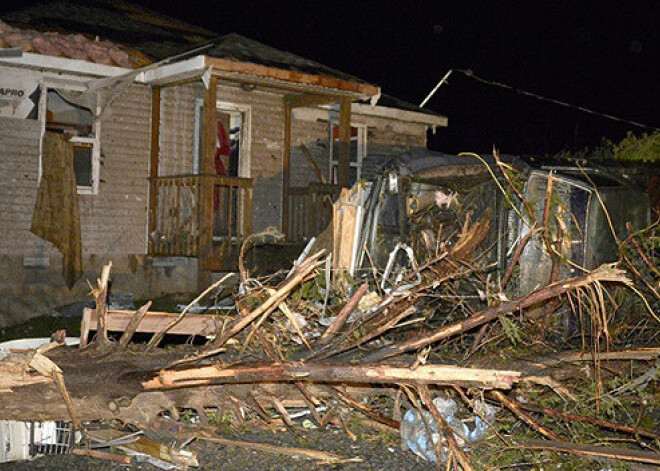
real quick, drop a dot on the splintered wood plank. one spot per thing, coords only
(347, 236)
(152, 322)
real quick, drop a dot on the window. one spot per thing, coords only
(64, 112)
(358, 151)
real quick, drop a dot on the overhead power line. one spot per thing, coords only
(470, 74)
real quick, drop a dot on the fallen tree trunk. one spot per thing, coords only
(603, 273)
(334, 373)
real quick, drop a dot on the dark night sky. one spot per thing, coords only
(599, 54)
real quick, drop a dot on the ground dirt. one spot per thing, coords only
(374, 452)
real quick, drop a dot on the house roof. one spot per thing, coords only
(72, 46)
(238, 48)
(159, 36)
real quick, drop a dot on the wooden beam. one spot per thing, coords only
(225, 65)
(153, 322)
(615, 453)
(344, 147)
(334, 373)
(286, 169)
(207, 167)
(154, 160)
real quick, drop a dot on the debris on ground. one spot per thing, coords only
(404, 328)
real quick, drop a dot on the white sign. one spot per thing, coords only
(16, 93)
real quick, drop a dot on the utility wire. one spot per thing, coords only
(470, 74)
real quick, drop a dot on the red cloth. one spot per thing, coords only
(223, 149)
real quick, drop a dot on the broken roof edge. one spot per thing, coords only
(62, 64)
(361, 90)
(433, 120)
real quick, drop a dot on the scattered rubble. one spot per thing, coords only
(413, 329)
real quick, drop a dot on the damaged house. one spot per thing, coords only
(132, 137)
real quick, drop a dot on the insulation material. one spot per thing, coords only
(56, 217)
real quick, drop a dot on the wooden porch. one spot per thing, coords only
(205, 216)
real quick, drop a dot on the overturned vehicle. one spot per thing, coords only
(420, 201)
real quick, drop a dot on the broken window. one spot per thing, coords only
(358, 151)
(73, 118)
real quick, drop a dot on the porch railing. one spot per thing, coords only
(310, 210)
(176, 223)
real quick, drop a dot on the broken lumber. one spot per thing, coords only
(515, 407)
(100, 294)
(334, 373)
(603, 273)
(15, 372)
(152, 322)
(47, 367)
(132, 326)
(158, 337)
(299, 276)
(321, 456)
(102, 455)
(344, 314)
(146, 446)
(617, 453)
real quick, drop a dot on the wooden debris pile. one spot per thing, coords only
(342, 347)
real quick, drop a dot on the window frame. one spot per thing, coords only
(362, 150)
(93, 141)
(245, 158)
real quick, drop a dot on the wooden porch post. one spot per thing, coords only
(344, 147)
(207, 168)
(286, 168)
(153, 165)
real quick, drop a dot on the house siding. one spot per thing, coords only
(177, 130)
(113, 222)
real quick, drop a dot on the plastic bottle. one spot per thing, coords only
(414, 433)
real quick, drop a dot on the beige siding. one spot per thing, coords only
(177, 130)
(19, 162)
(314, 136)
(115, 220)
